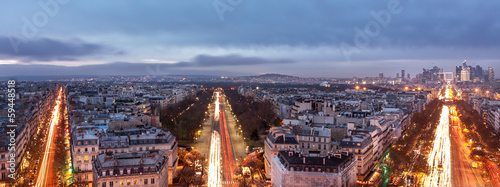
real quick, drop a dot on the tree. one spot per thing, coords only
(78, 181)
(193, 157)
(255, 166)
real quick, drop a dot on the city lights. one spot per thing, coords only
(42, 179)
(439, 160)
(214, 161)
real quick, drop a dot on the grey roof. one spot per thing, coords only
(289, 139)
(296, 159)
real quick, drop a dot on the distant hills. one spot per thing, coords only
(274, 75)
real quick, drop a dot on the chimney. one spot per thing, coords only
(304, 160)
(323, 160)
(345, 153)
(290, 153)
(337, 155)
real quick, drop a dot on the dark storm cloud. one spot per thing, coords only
(45, 49)
(234, 60)
(283, 22)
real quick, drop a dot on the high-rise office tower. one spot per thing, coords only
(458, 73)
(403, 75)
(491, 74)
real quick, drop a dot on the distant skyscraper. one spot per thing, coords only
(491, 74)
(397, 75)
(465, 74)
(479, 73)
(381, 76)
(403, 75)
(458, 73)
(408, 76)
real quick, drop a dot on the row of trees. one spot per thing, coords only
(419, 134)
(254, 117)
(474, 121)
(191, 160)
(183, 119)
(61, 156)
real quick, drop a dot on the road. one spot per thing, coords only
(214, 162)
(232, 144)
(463, 172)
(439, 160)
(46, 176)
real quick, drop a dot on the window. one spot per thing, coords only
(129, 182)
(145, 181)
(104, 184)
(152, 181)
(93, 157)
(3, 156)
(3, 166)
(78, 158)
(121, 183)
(86, 158)
(136, 182)
(93, 149)
(111, 184)
(86, 149)
(78, 150)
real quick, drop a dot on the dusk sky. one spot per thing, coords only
(246, 37)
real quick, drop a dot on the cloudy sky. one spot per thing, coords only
(246, 37)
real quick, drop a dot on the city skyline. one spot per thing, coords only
(309, 39)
